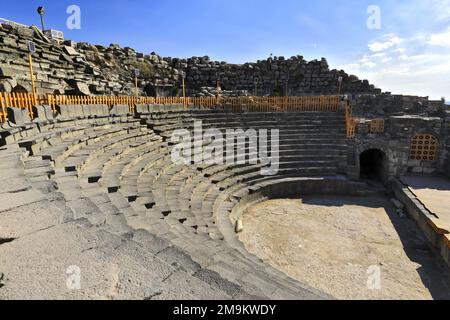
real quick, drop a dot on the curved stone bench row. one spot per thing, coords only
(178, 233)
(118, 175)
(183, 280)
(169, 213)
(166, 212)
(122, 205)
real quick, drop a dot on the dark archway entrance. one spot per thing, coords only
(374, 165)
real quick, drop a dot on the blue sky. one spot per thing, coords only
(409, 54)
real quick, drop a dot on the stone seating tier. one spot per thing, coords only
(108, 177)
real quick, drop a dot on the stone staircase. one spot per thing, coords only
(113, 179)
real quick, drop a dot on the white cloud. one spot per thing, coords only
(418, 64)
(440, 39)
(386, 42)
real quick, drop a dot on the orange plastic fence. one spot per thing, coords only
(377, 126)
(251, 104)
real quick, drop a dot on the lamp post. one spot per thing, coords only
(255, 81)
(41, 12)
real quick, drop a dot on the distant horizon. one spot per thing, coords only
(399, 46)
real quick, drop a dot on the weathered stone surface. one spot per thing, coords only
(30, 218)
(15, 116)
(70, 51)
(82, 88)
(9, 201)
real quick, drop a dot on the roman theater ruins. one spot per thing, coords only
(119, 180)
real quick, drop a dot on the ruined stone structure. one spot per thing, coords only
(82, 68)
(93, 69)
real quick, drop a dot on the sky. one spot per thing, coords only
(401, 46)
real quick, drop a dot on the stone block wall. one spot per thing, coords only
(446, 150)
(73, 68)
(386, 104)
(395, 142)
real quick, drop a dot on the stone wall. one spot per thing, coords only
(92, 69)
(271, 76)
(395, 142)
(82, 68)
(425, 220)
(446, 151)
(386, 104)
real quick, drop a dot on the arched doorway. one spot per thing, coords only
(374, 165)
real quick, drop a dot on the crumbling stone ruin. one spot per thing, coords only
(82, 68)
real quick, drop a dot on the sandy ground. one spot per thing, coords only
(340, 244)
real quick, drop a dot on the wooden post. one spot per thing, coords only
(33, 84)
(136, 90)
(3, 106)
(218, 92)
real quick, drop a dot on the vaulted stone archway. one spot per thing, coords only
(375, 161)
(374, 165)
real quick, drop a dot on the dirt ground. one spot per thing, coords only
(340, 244)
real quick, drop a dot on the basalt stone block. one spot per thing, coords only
(179, 107)
(48, 112)
(26, 116)
(168, 107)
(175, 108)
(142, 108)
(88, 110)
(93, 111)
(15, 116)
(40, 114)
(76, 111)
(64, 111)
(103, 110)
(156, 108)
(96, 111)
